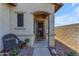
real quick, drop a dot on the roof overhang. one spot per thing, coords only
(13, 4)
(57, 6)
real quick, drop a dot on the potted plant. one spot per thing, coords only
(27, 41)
(23, 44)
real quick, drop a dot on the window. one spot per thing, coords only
(20, 22)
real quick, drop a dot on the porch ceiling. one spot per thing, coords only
(40, 16)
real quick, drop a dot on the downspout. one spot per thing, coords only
(48, 32)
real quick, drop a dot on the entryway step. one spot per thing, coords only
(41, 52)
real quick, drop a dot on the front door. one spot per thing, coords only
(40, 31)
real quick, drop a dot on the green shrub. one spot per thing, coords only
(71, 53)
(14, 51)
(27, 41)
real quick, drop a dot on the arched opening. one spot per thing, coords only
(40, 16)
(40, 25)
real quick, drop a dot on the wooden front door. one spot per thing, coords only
(40, 31)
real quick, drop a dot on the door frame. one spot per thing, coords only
(35, 30)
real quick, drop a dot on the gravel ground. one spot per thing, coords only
(61, 49)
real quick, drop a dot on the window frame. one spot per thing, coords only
(21, 22)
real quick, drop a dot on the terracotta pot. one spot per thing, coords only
(24, 46)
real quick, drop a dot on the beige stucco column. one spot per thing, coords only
(51, 39)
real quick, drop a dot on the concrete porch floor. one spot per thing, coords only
(41, 44)
(41, 48)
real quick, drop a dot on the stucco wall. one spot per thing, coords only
(4, 22)
(68, 35)
(28, 10)
(8, 19)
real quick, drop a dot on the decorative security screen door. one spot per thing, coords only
(40, 31)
